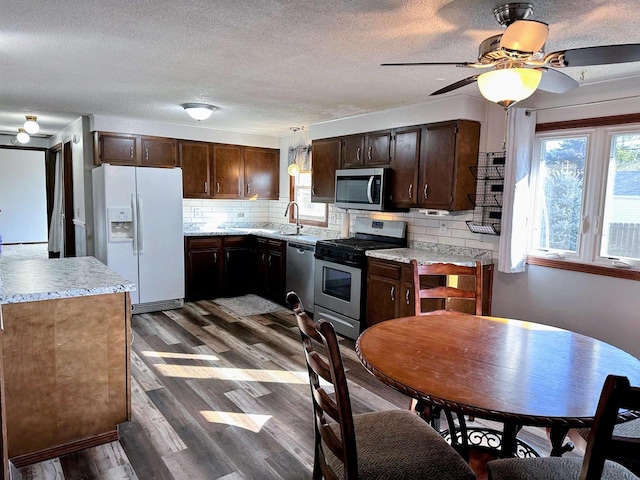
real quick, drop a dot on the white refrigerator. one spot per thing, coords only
(138, 231)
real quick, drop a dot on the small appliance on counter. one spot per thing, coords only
(341, 272)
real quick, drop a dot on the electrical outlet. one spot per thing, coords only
(240, 214)
(197, 212)
(442, 229)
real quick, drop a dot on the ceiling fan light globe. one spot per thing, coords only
(199, 111)
(31, 125)
(509, 85)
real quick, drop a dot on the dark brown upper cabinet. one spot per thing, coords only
(228, 169)
(195, 160)
(261, 173)
(367, 150)
(325, 162)
(431, 165)
(127, 149)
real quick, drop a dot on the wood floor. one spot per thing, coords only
(220, 396)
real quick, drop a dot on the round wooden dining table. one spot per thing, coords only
(515, 372)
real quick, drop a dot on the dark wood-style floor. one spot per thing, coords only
(220, 396)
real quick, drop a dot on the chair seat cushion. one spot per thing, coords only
(550, 468)
(397, 444)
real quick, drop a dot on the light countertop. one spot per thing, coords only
(29, 280)
(425, 257)
(285, 235)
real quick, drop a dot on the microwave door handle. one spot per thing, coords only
(370, 189)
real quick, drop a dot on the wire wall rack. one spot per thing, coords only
(487, 201)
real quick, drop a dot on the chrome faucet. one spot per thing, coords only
(297, 214)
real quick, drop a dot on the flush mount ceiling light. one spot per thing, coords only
(507, 86)
(31, 125)
(199, 111)
(23, 137)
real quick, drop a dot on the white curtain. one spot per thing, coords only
(56, 227)
(521, 129)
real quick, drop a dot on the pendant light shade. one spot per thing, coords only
(199, 111)
(507, 86)
(31, 125)
(23, 137)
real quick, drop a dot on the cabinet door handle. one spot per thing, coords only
(263, 258)
(215, 257)
(411, 190)
(270, 260)
(217, 187)
(313, 189)
(147, 153)
(425, 191)
(406, 297)
(369, 153)
(248, 188)
(205, 188)
(131, 151)
(1, 321)
(227, 255)
(393, 293)
(358, 154)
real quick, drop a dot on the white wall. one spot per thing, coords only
(23, 201)
(102, 123)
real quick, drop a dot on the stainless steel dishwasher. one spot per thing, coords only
(300, 272)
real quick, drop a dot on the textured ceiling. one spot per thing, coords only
(267, 64)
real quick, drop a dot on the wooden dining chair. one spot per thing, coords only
(392, 444)
(604, 445)
(447, 292)
(631, 429)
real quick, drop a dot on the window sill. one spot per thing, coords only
(584, 268)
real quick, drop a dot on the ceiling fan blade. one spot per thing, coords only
(556, 82)
(409, 64)
(462, 83)
(525, 36)
(603, 55)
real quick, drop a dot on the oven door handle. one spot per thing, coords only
(370, 189)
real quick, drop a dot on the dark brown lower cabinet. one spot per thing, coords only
(202, 267)
(237, 270)
(270, 262)
(234, 265)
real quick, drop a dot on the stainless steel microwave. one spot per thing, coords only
(363, 188)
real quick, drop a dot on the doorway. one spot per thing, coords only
(60, 206)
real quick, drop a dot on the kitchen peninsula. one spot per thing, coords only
(65, 355)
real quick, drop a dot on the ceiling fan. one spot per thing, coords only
(517, 62)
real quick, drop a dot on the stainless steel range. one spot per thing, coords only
(341, 272)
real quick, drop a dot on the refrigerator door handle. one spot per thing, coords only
(140, 224)
(134, 209)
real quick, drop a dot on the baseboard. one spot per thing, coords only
(157, 306)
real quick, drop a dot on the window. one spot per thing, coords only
(586, 205)
(314, 214)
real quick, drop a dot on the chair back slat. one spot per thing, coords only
(617, 396)
(446, 292)
(322, 355)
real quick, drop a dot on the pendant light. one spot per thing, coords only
(31, 125)
(294, 168)
(23, 137)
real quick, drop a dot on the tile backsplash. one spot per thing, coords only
(422, 230)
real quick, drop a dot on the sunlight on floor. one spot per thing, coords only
(236, 374)
(248, 421)
(188, 356)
